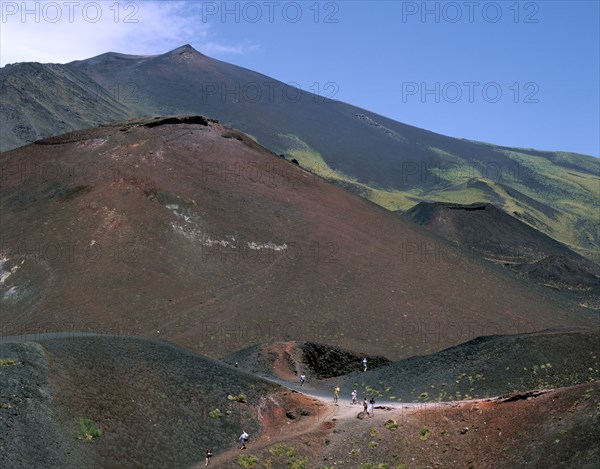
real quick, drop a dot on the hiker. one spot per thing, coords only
(208, 456)
(365, 406)
(372, 405)
(364, 364)
(236, 364)
(336, 393)
(354, 397)
(244, 438)
(302, 379)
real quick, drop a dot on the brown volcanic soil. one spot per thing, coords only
(554, 429)
(194, 230)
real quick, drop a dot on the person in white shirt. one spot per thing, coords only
(244, 438)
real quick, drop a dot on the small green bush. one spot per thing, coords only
(241, 397)
(247, 461)
(215, 414)
(298, 463)
(424, 433)
(391, 425)
(8, 362)
(88, 430)
(280, 449)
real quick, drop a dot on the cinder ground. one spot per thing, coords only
(155, 404)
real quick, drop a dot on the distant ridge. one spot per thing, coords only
(393, 164)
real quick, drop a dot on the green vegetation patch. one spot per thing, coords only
(88, 431)
(391, 425)
(287, 455)
(241, 397)
(9, 362)
(247, 461)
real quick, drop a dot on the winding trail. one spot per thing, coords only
(327, 415)
(334, 413)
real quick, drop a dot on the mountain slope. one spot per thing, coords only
(485, 367)
(183, 226)
(156, 406)
(393, 164)
(369, 148)
(557, 429)
(486, 231)
(153, 402)
(42, 100)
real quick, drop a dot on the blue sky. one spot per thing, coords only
(523, 74)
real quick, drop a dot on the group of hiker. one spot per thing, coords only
(368, 406)
(243, 437)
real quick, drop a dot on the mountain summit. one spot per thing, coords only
(392, 164)
(183, 49)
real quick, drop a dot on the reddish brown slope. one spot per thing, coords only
(556, 428)
(218, 244)
(539, 429)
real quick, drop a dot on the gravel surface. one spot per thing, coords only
(154, 402)
(485, 367)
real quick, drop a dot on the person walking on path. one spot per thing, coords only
(302, 379)
(244, 438)
(372, 406)
(336, 394)
(364, 364)
(365, 406)
(208, 456)
(354, 397)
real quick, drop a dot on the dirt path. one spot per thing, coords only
(326, 417)
(331, 415)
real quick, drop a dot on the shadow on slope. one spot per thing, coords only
(288, 360)
(483, 230)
